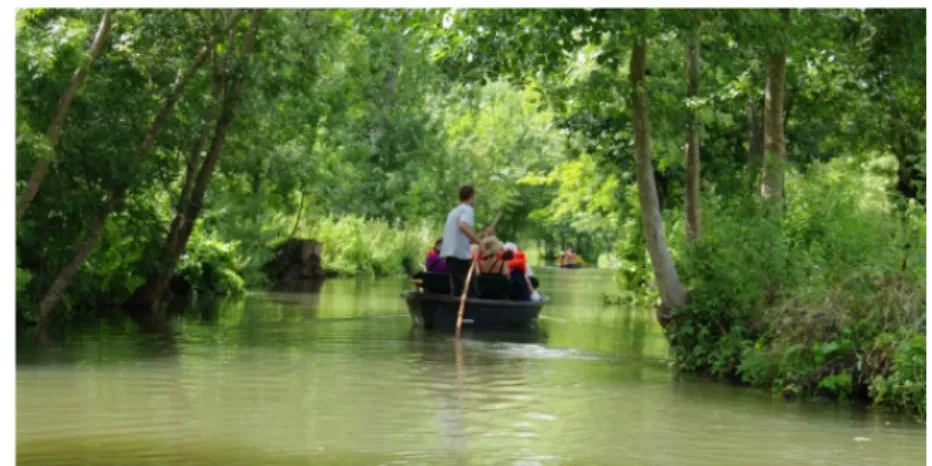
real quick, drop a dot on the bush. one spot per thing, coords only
(905, 386)
(355, 246)
(826, 300)
(211, 265)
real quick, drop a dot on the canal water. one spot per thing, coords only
(340, 377)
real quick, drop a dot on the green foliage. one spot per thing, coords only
(23, 277)
(803, 304)
(354, 246)
(583, 199)
(905, 386)
(342, 115)
(356, 127)
(211, 265)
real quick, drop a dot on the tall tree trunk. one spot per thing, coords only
(672, 293)
(55, 128)
(384, 153)
(194, 158)
(183, 223)
(115, 197)
(755, 143)
(693, 222)
(774, 143)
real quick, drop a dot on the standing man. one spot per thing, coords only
(457, 235)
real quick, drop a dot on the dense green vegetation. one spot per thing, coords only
(759, 174)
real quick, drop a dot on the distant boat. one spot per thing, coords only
(570, 261)
(432, 305)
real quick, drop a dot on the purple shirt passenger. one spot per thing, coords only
(435, 263)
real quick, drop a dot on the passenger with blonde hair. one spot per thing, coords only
(490, 261)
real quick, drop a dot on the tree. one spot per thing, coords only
(358, 123)
(183, 223)
(774, 143)
(693, 217)
(895, 65)
(58, 122)
(116, 196)
(672, 292)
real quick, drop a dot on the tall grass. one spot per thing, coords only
(355, 246)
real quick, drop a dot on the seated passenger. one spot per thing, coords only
(522, 261)
(519, 256)
(489, 261)
(517, 265)
(435, 263)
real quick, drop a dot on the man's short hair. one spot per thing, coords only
(466, 192)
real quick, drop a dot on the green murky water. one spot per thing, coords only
(341, 377)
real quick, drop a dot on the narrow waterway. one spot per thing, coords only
(341, 377)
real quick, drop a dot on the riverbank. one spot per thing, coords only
(220, 260)
(826, 301)
(224, 262)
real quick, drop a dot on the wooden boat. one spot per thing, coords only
(439, 311)
(574, 265)
(432, 305)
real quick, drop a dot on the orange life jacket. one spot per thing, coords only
(519, 262)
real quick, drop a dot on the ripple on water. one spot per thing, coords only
(340, 378)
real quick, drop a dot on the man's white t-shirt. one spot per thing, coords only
(455, 242)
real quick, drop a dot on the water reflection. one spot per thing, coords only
(341, 377)
(301, 286)
(478, 392)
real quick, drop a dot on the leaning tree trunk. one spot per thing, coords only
(774, 143)
(115, 197)
(183, 223)
(672, 293)
(55, 129)
(194, 157)
(693, 221)
(88, 243)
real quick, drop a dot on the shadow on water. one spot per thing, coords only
(128, 337)
(300, 286)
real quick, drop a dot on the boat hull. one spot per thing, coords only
(438, 311)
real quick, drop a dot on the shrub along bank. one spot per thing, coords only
(827, 300)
